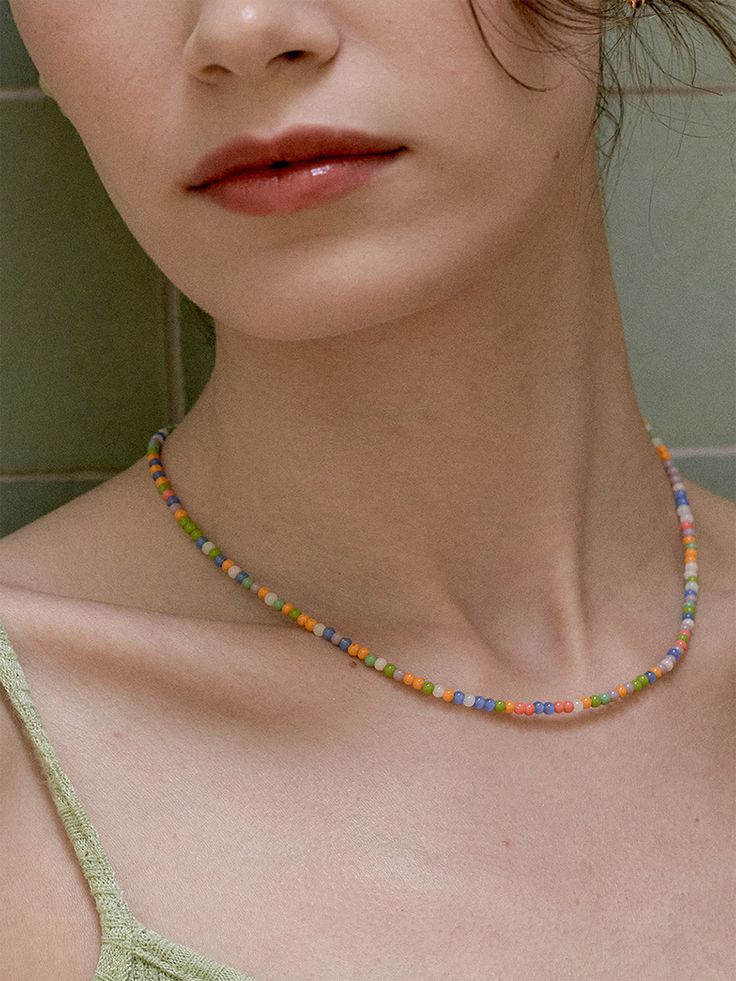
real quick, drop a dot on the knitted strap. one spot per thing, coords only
(115, 917)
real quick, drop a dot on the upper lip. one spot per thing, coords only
(299, 143)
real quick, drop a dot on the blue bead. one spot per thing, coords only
(458, 697)
(490, 704)
(329, 631)
(173, 500)
(219, 559)
(652, 676)
(674, 651)
(345, 643)
(200, 541)
(156, 474)
(479, 702)
(154, 462)
(549, 708)
(241, 576)
(538, 707)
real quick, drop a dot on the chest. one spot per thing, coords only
(368, 851)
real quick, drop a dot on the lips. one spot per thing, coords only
(298, 144)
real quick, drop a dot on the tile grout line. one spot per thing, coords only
(692, 452)
(174, 366)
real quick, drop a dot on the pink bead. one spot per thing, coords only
(558, 707)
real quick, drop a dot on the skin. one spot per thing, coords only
(421, 426)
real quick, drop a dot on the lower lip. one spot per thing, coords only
(272, 191)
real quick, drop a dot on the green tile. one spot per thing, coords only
(23, 501)
(672, 238)
(16, 68)
(81, 333)
(198, 349)
(645, 55)
(717, 473)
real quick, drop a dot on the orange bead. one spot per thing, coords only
(417, 683)
(408, 678)
(363, 653)
(657, 670)
(448, 695)
(623, 691)
(287, 608)
(161, 480)
(353, 649)
(510, 706)
(530, 709)
(181, 513)
(586, 703)
(226, 565)
(688, 539)
(302, 619)
(263, 591)
(311, 624)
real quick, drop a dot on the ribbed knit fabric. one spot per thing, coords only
(129, 951)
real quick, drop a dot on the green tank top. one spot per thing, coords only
(129, 951)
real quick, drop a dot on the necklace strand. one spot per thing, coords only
(506, 707)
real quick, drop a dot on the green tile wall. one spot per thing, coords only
(86, 318)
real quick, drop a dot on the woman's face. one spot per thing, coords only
(153, 85)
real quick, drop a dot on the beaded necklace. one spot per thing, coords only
(505, 707)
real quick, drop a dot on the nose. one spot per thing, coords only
(255, 40)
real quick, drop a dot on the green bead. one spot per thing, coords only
(500, 706)
(389, 670)
(293, 614)
(692, 579)
(605, 698)
(644, 680)
(595, 701)
(163, 486)
(369, 660)
(247, 582)
(214, 553)
(196, 533)
(184, 522)
(427, 687)
(278, 604)
(637, 684)
(187, 524)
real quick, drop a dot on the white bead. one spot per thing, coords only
(630, 687)
(319, 629)
(668, 663)
(270, 598)
(577, 706)
(233, 571)
(207, 547)
(614, 694)
(380, 663)
(469, 700)
(438, 691)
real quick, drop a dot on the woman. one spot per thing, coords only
(421, 429)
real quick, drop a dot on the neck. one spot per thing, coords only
(477, 470)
